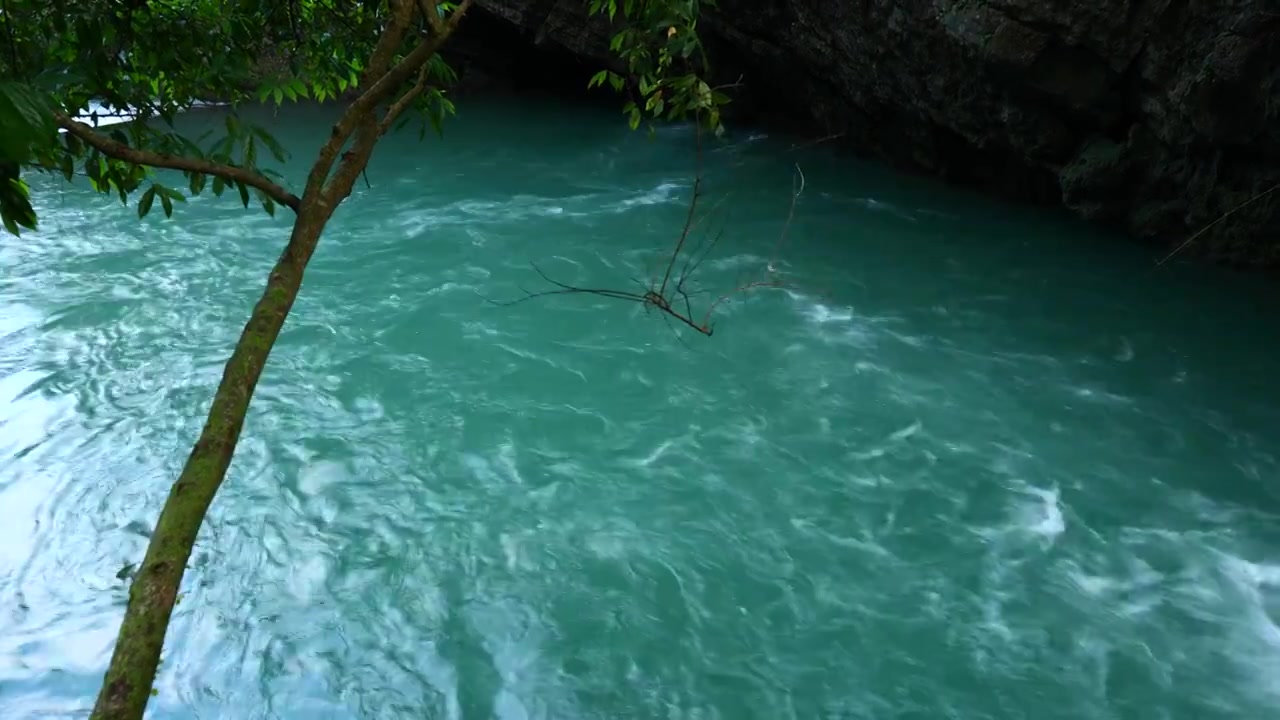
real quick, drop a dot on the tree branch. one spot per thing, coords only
(431, 13)
(390, 40)
(693, 207)
(1222, 217)
(404, 102)
(120, 151)
(363, 105)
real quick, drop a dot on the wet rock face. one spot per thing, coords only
(1157, 116)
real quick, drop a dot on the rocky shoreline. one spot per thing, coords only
(1153, 116)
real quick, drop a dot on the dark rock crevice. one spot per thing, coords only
(520, 49)
(1155, 116)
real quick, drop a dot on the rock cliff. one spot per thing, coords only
(1156, 116)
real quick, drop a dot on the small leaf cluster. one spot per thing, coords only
(664, 61)
(154, 59)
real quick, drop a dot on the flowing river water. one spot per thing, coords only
(970, 461)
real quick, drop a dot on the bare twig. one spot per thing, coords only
(768, 279)
(672, 296)
(404, 102)
(1224, 216)
(693, 208)
(797, 187)
(728, 86)
(819, 141)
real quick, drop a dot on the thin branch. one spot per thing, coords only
(568, 289)
(360, 109)
(667, 320)
(1225, 215)
(693, 208)
(690, 268)
(431, 13)
(770, 269)
(401, 17)
(404, 102)
(796, 190)
(819, 141)
(735, 84)
(120, 151)
(706, 319)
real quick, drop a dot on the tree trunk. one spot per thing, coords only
(127, 686)
(129, 678)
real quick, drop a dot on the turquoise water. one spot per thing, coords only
(972, 462)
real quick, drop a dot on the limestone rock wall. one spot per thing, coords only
(1157, 116)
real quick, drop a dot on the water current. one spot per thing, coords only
(968, 461)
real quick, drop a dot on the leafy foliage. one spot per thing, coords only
(664, 60)
(65, 62)
(154, 59)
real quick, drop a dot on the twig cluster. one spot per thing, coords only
(672, 296)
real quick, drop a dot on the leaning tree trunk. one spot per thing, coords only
(127, 686)
(129, 678)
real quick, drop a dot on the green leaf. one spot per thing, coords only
(218, 186)
(244, 192)
(144, 202)
(277, 150)
(167, 203)
(172, 194)
(15, 204)
(267, 203)
(26, 119)
(197, 182)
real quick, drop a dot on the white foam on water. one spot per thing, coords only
(906, 432)
(661, 194)
(820, 313)
(315, 478)
(1125, 352)
(308, 573)
(1043, 517)
(865, 545)
(450, 286)
(1256, 651)
(1098, 396)
(508, 463)
(655, 455)
(875, 205)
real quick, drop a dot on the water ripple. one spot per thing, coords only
(908, 485)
